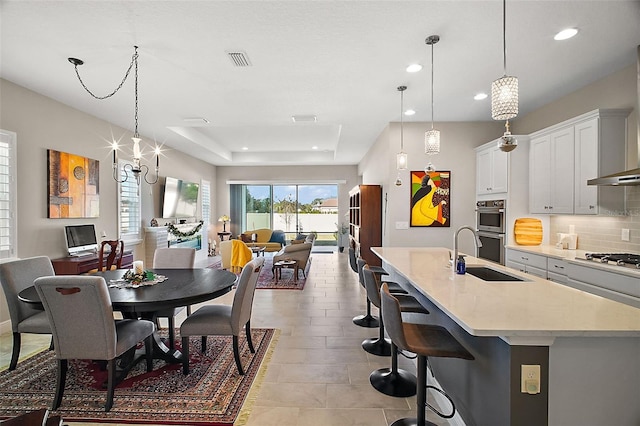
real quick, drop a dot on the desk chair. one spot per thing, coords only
(114, 257)
(224, 319)
(15, 276)
(173, 258)
(81, 317)
(424, 341)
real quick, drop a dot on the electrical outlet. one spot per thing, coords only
(530, 381)
(625, 235)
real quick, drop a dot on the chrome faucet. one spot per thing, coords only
(455, 243)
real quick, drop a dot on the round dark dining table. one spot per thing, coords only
(181, 288)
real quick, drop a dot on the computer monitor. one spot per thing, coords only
(80, 239)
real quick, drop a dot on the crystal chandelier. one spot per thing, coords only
(401, 157)
(139, 170)
(431, 137)
(504, 93)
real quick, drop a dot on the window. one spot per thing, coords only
(8, 192)
(293, 209)
(205, 196)
(130, 216)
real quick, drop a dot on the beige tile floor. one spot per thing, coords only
(318, 374)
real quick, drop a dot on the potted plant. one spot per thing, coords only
(342, 235)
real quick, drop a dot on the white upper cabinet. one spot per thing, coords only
(492, 167)
(563, 157)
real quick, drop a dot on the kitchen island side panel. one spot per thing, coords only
(594, 381)
(486, 391)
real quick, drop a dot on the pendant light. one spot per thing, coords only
(401, 157)
(504, 93)
(431, 137)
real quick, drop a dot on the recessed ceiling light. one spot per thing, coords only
(565, 34)
(409, 112)
(302, 118)
(314, 147)
(414, 68)
(244, 148)
(480, 96)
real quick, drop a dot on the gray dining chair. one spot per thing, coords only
(15, 276)
(173, 258)
(81, 317)
(226, 320)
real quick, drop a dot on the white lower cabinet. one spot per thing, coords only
(526, 262)
(557, 270)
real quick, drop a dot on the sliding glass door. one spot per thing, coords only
(292, 208)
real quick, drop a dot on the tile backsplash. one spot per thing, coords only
(603, 233)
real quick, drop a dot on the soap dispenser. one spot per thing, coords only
(461, 267)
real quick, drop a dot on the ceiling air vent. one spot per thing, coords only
(304, 119)
(239, 58)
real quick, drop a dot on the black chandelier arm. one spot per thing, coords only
(76, 62)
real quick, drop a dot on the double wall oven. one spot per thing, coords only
(491, 226)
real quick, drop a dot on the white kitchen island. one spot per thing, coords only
(588, 347)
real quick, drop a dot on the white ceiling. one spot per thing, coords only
(338, 60)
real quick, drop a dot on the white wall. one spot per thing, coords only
(457, 154)
(42, 123)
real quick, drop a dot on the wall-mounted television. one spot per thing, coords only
(80, 239)
(180, 198)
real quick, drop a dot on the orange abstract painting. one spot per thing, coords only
(73, 185)
(430, 198)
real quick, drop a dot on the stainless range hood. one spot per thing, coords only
(628, 177)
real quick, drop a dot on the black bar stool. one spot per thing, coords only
(367, 320)
(380, 345)
(424, 341)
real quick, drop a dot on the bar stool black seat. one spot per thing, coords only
(424, 341)
(380, 345)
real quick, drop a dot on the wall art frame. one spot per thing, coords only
(73, 187)
(430, 199)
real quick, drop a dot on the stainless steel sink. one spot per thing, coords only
(489, 274)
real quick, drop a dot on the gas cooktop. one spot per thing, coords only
(620, 259)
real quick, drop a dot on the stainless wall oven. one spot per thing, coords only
(490, 216)
(491, 225)
(492, 246)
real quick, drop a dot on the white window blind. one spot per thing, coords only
(129, 207)
(8, 193)
(206, 202)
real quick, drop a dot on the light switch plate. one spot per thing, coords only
(402, 225)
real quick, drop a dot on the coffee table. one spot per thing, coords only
(258, 250)
(286, 264)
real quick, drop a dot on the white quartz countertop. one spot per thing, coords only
(532, 312)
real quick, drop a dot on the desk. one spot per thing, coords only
(181, 288)
(77, 265)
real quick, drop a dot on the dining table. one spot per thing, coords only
(176, 288)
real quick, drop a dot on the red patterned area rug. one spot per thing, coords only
(212, 394)
(266, 279)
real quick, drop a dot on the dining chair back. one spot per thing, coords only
(211, 320)
(113, 257)
(81, 317)
(353, 259)
(15, 276)
(173, 258)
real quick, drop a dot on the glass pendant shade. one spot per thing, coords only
(432, 142)
(401, 161)
(504, 98)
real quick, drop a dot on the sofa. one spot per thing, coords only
(272, 241)
(299, 250)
